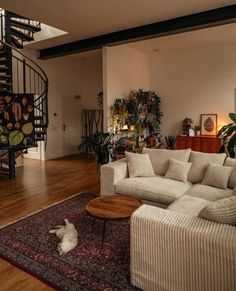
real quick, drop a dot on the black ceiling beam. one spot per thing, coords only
(206, 19)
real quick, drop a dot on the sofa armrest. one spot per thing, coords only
(173, 251)
(111, 174)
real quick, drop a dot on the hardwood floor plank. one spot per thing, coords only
(37, 185)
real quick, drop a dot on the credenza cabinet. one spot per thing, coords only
(205, 144)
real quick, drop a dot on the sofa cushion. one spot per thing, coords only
(234, 191)
(217, 176)
(223, 210)
(158, 188)
(178, 170)
(199, 164)
(189, 205)
(232, 179)
(160, 158)
(139, 165)
(208, 192)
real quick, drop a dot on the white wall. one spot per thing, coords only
(194, 81)
(124, 69)
(69, 76)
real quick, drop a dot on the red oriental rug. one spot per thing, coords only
(28, 245)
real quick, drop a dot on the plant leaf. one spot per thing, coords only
(15, 137)
(3, 129)
(233, 116)
(27, 128)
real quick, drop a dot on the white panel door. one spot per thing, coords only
(71, 131)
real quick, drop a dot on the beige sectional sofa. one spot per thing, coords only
(173, 249)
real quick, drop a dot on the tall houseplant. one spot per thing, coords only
(228, 136)
(102, 145)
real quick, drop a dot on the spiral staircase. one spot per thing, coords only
(21, 75)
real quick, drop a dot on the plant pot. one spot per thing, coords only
(151, 141)
(103, 158)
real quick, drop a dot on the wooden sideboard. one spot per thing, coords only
(205, 144)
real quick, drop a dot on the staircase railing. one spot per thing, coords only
(29, 77)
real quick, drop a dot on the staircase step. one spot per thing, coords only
(21, 35)
(38, 117)
(4, 82)
(39, 139)
(40, 132)
(3, 68)
(39, 125)
(16, 43)
(3, 60)
(4, 76)
(18, 17)
(20, 24)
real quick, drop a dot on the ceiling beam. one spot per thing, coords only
(206, 19)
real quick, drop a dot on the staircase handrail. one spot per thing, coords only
(44, 77)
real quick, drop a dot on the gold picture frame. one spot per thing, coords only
(209, 124)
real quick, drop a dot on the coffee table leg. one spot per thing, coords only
(103, 230)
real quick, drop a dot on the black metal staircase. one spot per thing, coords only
(21, 75)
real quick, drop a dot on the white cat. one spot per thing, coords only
(68, 235)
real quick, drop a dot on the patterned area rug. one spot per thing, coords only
(90, 266)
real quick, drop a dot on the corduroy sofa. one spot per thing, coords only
(173, 249)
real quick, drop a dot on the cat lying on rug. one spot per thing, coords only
(68, 235)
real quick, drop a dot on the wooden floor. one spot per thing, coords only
(37, 185)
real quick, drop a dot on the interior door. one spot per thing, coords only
(71, 131)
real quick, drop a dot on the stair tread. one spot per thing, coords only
(21, 35)
(15, 42)
(18, 23)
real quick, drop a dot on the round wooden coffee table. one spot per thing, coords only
(112, 207)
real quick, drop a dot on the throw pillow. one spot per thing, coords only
(232, 179)
(160, 158)
(178, 170)
(199, 164)
(223, 210)
(217, 176)
(139, 165)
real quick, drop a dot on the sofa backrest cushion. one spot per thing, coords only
(199, 164)
(160, 158)
(223, 210)
(178, 170)
(217, 176)
(232, 179)
(139, 165)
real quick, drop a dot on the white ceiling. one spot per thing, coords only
(193, 39)
(87, 18)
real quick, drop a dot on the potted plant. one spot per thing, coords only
(228, 136)
(102, 145)
(197, 129)
(170, 142)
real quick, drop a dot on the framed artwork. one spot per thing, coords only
(209, 124)
(17, 120)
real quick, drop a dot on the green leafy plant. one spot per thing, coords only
(101, 143)
(228, 136)
(141, 110)
(170, 141)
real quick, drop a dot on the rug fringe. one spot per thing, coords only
(37, 211)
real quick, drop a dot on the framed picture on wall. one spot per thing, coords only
(209, 124)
